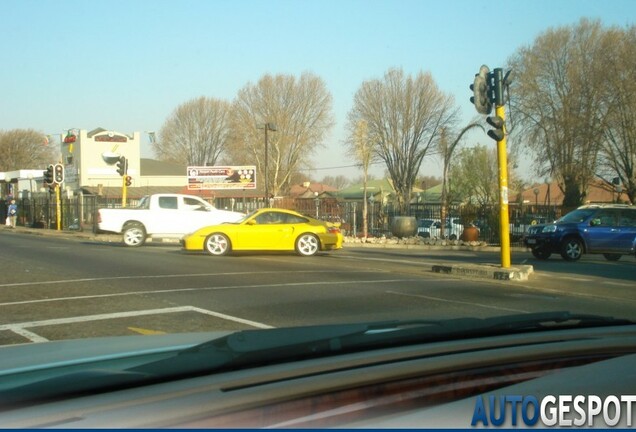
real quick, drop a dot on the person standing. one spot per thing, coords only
(13, 213)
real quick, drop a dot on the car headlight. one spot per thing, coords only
(549, 229)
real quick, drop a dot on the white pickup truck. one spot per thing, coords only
(162, 216)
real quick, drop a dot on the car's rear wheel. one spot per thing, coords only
(541, 253)
(134, 234)
(307, 244)
(612, 256)
(217, 244)
(571, 249)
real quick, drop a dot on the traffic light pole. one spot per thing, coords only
(124, 191)
(58, 208)
(504, 226)
(488, 89)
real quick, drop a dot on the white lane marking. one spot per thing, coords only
(228, 287)
(19, 328)
(620, 284)
(399, 261)
(28, 335)
(457, 302)
(575, 279)
(67, 281)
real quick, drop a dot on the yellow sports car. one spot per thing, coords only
(266, 230)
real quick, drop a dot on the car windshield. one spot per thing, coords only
(577, 216)
(278, 182)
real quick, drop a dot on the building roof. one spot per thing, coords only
(550, 194)
(374, 187)
(309, 190)
(133, 192)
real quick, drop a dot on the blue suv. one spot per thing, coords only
(608, 229)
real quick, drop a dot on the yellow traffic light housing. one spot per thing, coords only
(59, 173)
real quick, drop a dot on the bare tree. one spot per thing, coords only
(195, 134)
(475, 174)
(21, 148)
(619, 149)
(559, 104)
(338, 182)
(300, 108)
(360, 146)
(405, 115)
(447, 144)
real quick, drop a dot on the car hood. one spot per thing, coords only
(50, 358)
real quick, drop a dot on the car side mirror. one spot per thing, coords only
(250, 222)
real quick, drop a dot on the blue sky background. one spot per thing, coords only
(126, 65)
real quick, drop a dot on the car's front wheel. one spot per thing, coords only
(541, 254)
(307, 245)
(217, 244)
(134, 234)
(612, 256)
(571, 249)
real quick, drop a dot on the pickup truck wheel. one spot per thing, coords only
(541, 254)
(134, 234)
(217, 244)
(307, 244)
(612, 256)
(571, 249)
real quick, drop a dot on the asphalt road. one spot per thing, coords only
(56, 287)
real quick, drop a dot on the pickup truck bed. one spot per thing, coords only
(162, 216)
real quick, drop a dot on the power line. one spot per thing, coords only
(339, 167)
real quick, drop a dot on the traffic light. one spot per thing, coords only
(59, 173)
(48, 175)
(482, 90)
(498, 123)
(122, 166)
(128, 180)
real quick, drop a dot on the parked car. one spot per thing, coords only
(432, 228)
(162, 216)
(267, 230)
(608, 229)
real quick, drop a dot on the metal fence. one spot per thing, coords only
(79, 213)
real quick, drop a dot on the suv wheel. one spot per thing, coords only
(571, 249)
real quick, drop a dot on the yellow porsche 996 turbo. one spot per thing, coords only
(266, 230)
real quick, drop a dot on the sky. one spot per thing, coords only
(126, 65)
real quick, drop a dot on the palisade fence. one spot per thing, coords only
(80, 213)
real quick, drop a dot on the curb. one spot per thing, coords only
(486, 271)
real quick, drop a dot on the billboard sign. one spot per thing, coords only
(221, 177)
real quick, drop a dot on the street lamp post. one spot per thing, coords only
(267, 127)
(317, 201)
(536, 199)
(371, 200)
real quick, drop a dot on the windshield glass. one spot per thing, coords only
(408, 157)
(144, 202)
(577, 216)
